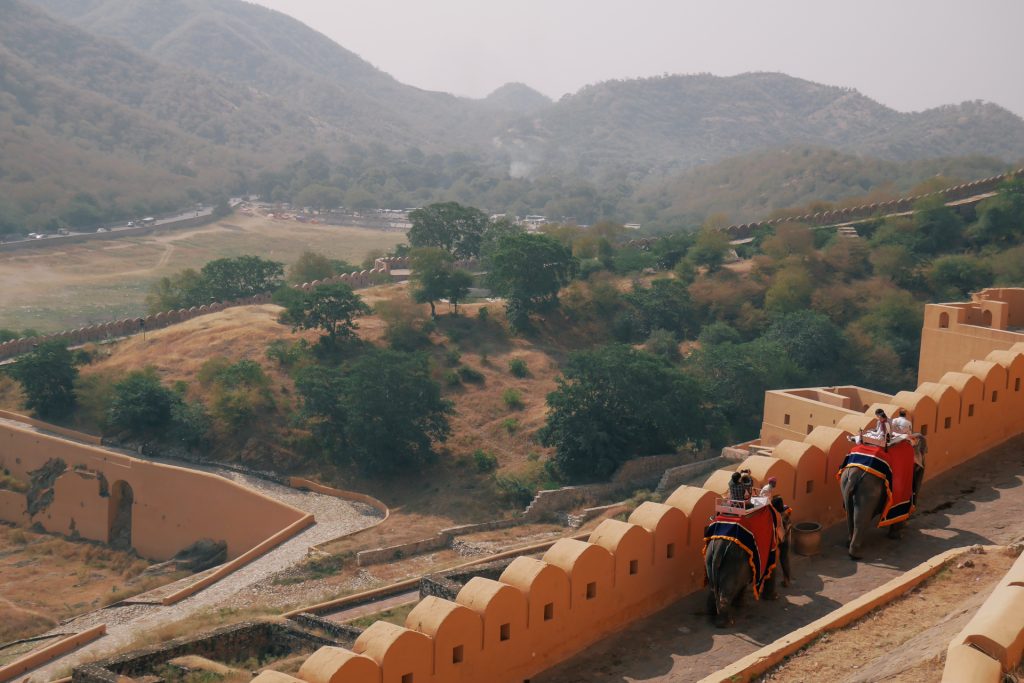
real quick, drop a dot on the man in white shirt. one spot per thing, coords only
(900, 423)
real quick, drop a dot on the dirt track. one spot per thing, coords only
(981, 502)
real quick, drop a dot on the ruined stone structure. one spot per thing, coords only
(540, 612)
(80, 490)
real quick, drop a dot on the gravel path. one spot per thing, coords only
(248, 585)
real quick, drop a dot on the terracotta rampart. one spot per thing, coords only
(169, 507)
(992, 642)
(540, 612)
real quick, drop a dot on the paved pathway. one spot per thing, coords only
(980, 502)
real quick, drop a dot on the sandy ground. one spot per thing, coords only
(65, 287)
(918, 625)
(981, 502)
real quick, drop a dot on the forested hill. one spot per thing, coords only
(669, 123)
(280, 56)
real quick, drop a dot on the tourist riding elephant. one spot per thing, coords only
(729, 576)
(864, 497)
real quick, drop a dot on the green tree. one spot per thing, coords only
(331, 308)
(322, 408)
(243, 276)
(790, 290)
(957, 275)
(311, 266)
(812, 341)
(141, 405)
(47, 378)
(184, 289)
(395, 411)
(939, 228)
(616, 403)
(709, 249)
(458, 286)
(664, 305)
(528, 270)
(431, 270)
(457, 229)
(383, 411)
(733, 379)
(1001, 218)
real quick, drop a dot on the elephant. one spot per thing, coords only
(729, 575)
(864, 497)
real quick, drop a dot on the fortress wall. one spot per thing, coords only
(540, 612)
(956, 333)
(171, 508)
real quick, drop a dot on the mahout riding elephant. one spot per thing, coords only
(729, 576)
(864, 496)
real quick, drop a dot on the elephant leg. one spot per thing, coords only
(862, 518)
(770, 590)
(896, 531)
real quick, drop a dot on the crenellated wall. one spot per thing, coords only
(953, 195)
(540, 612)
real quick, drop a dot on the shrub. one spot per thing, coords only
(452, 357)
(483, 314)
(287, 355)
(663, 343)
(514, 490)
(510, 425)
(484, 461)
(518, 367)
(468, 374)
(452, 379)
(513, 399)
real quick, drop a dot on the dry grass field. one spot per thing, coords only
(63, 287)
(47, 579)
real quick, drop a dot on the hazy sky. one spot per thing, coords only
(907, 54)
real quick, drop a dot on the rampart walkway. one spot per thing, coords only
(980, 502)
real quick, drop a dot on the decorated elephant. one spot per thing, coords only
(739, 551)
(878, 482)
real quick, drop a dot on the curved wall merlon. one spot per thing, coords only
(171, 507)
(992, 642)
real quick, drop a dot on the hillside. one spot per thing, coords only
(81, 114)
(655, 126)
(281, 57)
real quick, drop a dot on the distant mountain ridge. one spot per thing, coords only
(136, 101)
(666, 124)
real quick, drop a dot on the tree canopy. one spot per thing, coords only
(381, 411)
(47, 377)
(457, 229)
(616, 403)
(528, 270)
(331, 308)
